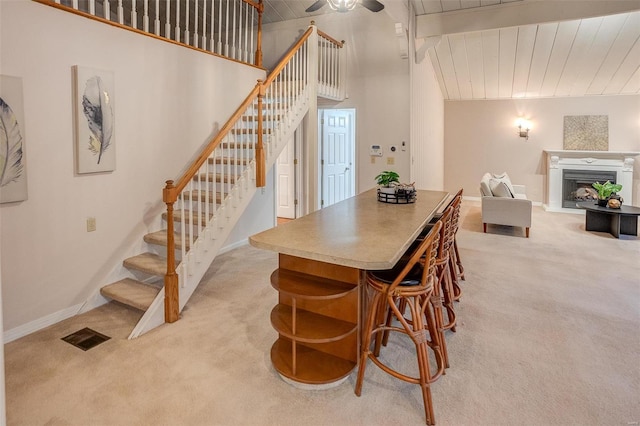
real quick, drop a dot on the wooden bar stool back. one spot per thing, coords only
(443, 294)
(412, 283)
(456, 254)
(455, 264)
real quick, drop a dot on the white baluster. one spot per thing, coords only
(107, 9)
(251, 51)
(186, 24)
(219, 45)
(167, 24)
(157, 21)
(145, 17)
(204, 25)
(196, 39)
(241, 5)
(183, 249)
(120, 12)
(177, 33)
(212, 46)
(234, 46)
(92, 7)
(74, 4)
(134, 15)
(226, 31)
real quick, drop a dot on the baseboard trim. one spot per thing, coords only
(40, 323)
(89, 304)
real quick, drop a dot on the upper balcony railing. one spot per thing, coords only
(229, 28)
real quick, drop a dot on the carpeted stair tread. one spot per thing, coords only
(159, 238)
(147, 262)
(177, 217)
(199, 195)
(131, 292)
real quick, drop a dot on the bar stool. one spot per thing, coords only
(443, 292)
(412, 283)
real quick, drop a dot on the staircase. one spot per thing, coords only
(207, 201)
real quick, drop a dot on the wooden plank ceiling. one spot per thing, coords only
(580, 57)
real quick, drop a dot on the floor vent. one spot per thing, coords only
(85, 339)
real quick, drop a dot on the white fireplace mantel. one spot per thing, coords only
(614, 161)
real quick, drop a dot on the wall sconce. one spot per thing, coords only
(523, 128)
(342, 5)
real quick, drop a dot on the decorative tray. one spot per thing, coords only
(401, 196)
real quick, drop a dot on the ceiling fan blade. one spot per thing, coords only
(317, 5)
(373, 5)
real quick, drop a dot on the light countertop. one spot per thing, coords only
(359, 232)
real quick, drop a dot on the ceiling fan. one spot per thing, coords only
(346, 5)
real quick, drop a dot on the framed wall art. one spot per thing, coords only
(13, 159)
(586, 132)
(94, 104)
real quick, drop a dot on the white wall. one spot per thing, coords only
(427, 121)
(169, 100)
(480, 136)
(378, 83)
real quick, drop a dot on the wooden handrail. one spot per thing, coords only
(331, 39)
(283, 62)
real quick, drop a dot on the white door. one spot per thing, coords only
(286, 181)
(338, 155)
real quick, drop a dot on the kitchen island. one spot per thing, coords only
(322, 260)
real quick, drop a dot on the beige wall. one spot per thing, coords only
(480, 136)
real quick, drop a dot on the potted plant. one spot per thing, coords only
(387, 180)
(605, 191)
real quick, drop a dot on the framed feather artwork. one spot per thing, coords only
(13, 159)
(94, 103)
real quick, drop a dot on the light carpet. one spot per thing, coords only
(548, 334)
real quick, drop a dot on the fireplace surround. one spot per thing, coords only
(581, 167)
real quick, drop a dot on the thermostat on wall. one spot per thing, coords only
(375, 151)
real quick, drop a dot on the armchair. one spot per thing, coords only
(504, 203)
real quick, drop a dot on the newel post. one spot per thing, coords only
(258, 58)
(171, 297)
(261, 162)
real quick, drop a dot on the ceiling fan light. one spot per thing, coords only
(342, 5)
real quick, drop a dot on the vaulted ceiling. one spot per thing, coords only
(495, 49)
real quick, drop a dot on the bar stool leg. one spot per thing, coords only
(366, 345)
(457, 291)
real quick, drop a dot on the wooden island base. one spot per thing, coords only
(317, 320)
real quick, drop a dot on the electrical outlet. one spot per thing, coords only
(391, 161)
(91, 224)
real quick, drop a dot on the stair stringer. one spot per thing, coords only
(208, 246)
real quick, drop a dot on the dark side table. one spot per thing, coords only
(615, 221)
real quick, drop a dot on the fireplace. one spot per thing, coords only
(576, 185)
(572, 172)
